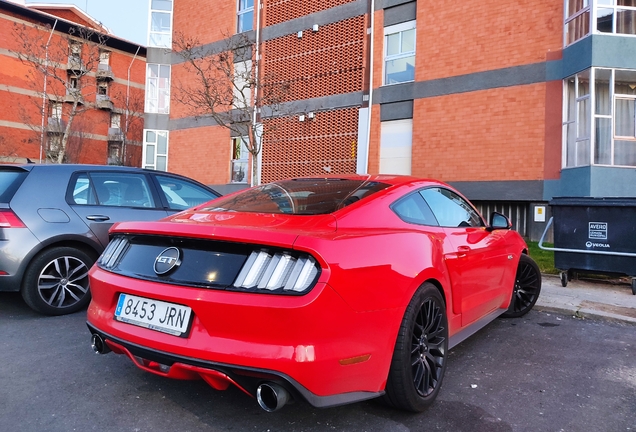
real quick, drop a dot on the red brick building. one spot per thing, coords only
(82, 63)
(512, 104)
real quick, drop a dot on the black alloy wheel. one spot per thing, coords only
(56, 281)
(527, 288)
(421, 350)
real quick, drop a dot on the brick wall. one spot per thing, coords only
(467, 37)
(494, 134)
(201, 153)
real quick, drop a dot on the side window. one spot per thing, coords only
(122, 189)
(83, 192)
(181, 194)
(413, 209)
(450, 209)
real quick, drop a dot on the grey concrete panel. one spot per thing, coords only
(575, 182)
(612, 182)
(507, 77)
(305, 23)
(614, 51)
(191, 122)
(524, 190)
(228, 188)
(159, 55)
(156, 121)
(399, 14)
(216, 47)
(325, 103)
(385, 4)
(394, 93)
(577, 57)
(396, 111)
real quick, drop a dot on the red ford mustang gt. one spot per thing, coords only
(329, 290)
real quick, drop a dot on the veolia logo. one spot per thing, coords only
(589, 244)
(167, 260)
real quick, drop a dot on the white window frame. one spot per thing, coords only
(243, 159)
(592, 9)
(154, 145)
(157, 89)
(160, 39)
(391, 30)
(592, 120)
(242, 10)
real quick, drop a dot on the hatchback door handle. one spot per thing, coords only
(97, 218)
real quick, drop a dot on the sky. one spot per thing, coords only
(126, 19)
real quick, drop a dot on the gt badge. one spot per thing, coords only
(167, 260)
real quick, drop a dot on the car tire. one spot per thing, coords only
(526, 290)
(56, 281)
(420, 354)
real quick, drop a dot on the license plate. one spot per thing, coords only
(157, 315)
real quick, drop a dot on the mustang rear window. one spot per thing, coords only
(306, 196)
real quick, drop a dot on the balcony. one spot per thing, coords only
(75, 65)
(103, 102)
(115, 135)
(72, 95)
(55, 126)
(104, 72)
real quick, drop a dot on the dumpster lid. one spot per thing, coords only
(594, 201)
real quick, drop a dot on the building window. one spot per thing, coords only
(242, 84)
(155, 152)
(104, 57)
(56, 110)
(245, 12)
(598, 16)
(115, 120)
(396, 143)
(399, 53)
(240, 157)
(158, 89)
(600, 119)
(160, 24)
(102, 88)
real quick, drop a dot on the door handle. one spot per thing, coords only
(462, 251)
(98, 218)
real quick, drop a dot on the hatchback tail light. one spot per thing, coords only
(8, 219)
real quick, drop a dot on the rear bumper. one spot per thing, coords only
(315, 344)
(219, 375)
(16, 245)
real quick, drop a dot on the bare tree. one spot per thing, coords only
(228, 86)
(131, 123)
(60, 69)
(8, 150)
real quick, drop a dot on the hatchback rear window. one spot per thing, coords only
(10, 181)
(306, 196)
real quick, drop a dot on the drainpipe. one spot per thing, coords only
(371, 63)
(259, 158)
(46, 75)
(123, 147)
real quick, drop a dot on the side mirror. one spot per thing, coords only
(499, 221)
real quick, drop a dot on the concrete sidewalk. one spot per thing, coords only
(588, 299)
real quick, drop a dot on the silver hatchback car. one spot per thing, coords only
(54, 222)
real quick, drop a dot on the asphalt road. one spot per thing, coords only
(543, 372)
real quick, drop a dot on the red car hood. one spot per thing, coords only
(274, 229)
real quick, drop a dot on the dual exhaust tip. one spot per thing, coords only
(270, 396)
(99, 345)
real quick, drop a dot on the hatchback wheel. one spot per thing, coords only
(421, 349)
(56, 281)
(527, 288)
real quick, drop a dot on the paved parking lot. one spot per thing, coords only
(545, 372)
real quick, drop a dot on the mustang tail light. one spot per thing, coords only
(272, 271)
(113, 251)
(8, 219)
